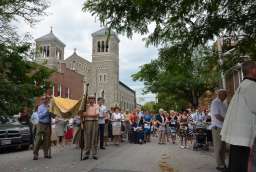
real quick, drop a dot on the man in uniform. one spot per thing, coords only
(43, 129)
(91, 128)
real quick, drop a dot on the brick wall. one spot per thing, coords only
(67, 83)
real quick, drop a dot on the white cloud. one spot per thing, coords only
(74, 27)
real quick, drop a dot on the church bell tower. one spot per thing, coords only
(105, 66)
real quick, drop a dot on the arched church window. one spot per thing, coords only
(107, 46)
(47, 51)
(73, 66)
(102, 46)
(100, 78)
(105, 78)
(98, 46)
(44, 52)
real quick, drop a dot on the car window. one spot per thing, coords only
(7, 120)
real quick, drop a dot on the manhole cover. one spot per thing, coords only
(110, 170)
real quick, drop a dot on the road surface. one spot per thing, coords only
(149, 157)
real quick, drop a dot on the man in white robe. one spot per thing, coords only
(239, 128)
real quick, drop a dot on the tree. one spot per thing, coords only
(181, 27)
(21, 80)
(190, 23)
(180, 78)
(10, 10)
(150, 106)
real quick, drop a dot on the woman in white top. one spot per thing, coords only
(116, 119)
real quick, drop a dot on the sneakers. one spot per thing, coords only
(102, 148)
(182, 147)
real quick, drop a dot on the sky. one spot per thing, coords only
(74, 27)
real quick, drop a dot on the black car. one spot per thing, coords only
(14, 134)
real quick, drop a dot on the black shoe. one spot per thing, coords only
(102, 148)
(35, 158)
(86, 157)
(95, 157)
(222, 169)
(48, 157)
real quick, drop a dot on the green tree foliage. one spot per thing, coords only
(21, 80)
(150, 106)
(11, 10)
(181, 27)
(191, 23)
(178, 77)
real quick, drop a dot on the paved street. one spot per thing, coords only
(149, 157)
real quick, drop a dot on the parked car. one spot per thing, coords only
(13, 133)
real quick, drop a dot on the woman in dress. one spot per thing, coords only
(183, 131)
(60, 129)
(173, 126)
(161, 120)
(69, 131)
(116, 119)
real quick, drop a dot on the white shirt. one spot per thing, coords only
(217, 108)
(34, 118)
(116, 119)
(102, 111)
(198, 116)
(239, 127)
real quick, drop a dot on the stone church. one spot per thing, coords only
(102, 73)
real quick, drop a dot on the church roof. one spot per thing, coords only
(127, 87)
(50, 37)
(104, 32)
(76, 56)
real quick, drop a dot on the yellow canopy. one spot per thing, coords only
(65, 107)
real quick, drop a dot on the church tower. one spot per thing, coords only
(49, 50)
(105, 66)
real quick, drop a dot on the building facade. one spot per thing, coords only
(102, 73)
(67, 83)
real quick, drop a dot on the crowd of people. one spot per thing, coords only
(115, 126)
(220, 124)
